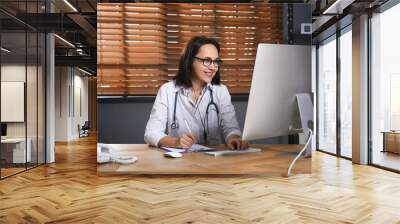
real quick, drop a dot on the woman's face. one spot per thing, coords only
(202, 72)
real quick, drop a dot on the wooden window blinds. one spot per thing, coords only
(139, 44)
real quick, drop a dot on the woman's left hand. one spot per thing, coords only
(236, 142)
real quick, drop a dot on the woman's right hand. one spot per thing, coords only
(186, 140)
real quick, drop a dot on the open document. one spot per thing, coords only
(194, 148)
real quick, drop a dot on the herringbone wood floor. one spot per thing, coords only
(70, 191)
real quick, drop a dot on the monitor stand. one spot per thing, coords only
(306, 116)
(300, 153)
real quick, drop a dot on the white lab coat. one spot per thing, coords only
(220, 127)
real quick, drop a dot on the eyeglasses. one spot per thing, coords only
(208, 61)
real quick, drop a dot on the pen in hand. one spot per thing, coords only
(187, 126)
(190, 134)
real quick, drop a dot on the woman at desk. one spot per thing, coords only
(195, 107)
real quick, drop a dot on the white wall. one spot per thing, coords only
(71, 102)
(62, 81)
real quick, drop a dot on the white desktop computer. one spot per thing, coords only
(280, 72)
(281, 84)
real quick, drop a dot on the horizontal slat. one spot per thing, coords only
(152, 27)
(143, 56)
(132, 20)
(132, 61)
(139, 80)
(151, 90)
(123, 70)
(127, 83)
(127, 91)
(191, 6)
(131, 15)
(131, 37)
(145, 7)
(231, 73)
(122, 49)
(121, 32)
(128, 66)
(130, 43)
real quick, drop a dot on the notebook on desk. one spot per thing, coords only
(232, 152)
(211, 151)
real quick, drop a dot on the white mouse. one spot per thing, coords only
(173, 154)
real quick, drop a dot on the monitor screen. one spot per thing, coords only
(3, 129)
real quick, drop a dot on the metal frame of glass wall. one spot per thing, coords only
(27, 55)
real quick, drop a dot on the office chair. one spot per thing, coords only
(84, 130)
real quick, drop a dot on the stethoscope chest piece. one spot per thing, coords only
(174, 125)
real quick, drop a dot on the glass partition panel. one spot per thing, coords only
(22, 108)
(327, 96)
(385, 89)
(346, 94)
(14, 152)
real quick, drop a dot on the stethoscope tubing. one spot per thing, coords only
(175, 125)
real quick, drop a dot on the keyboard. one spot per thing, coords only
(232, 152)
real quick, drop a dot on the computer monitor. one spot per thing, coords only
(280, 72)
(3, 129)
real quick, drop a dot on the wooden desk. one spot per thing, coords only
(273, 159)
(13, 150)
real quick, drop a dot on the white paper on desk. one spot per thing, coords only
(199, 148)
(194, 148)
(173, 149)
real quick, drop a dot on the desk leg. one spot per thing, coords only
(384, 143)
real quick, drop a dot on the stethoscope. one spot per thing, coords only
(175, 125)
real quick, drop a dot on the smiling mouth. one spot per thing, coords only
(209, 74)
